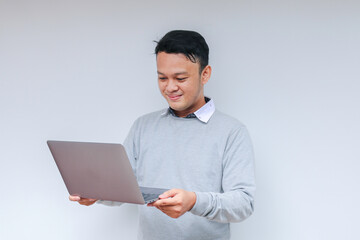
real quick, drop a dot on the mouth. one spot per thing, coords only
(174, 97)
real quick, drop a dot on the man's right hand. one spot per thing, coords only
(82, 201)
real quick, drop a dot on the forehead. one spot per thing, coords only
(168, 63)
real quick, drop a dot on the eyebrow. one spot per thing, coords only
(179, 73)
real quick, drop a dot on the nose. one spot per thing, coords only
(171, 86)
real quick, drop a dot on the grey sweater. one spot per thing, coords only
(213, 159)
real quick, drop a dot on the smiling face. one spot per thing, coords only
(180, 82)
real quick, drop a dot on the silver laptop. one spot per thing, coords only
(100, 171)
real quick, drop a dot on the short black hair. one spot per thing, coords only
(189, 43)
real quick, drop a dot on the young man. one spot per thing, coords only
(204, 156)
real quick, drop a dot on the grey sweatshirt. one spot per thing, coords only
(213, 159)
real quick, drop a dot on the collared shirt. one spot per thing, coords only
(203, 114)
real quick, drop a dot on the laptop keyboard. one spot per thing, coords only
(150, 197)
(151, 194)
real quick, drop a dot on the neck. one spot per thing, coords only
(192, 109)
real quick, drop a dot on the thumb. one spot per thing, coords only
(169, 193)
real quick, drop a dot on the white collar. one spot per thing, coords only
(205, 112)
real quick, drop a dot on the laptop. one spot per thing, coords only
(100, 171)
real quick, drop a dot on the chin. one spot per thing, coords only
(176, 107)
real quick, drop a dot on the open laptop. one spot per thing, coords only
(100, 171)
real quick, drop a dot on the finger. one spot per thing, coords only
(74, 198)
(83, 201)
(87, 202)
(165, 202)
(91, 199)
(169, 193)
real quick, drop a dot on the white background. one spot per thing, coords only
(85, 70)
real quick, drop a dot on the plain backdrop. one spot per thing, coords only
(85, 70)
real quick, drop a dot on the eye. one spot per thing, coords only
(181, 79)
(162, 78)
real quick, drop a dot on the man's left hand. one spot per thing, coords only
(175, 202)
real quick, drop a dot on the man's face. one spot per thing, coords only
(180, 82)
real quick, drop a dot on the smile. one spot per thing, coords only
(174, 97)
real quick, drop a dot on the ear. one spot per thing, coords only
(206, 74)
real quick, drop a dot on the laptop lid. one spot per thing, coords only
(96, 170)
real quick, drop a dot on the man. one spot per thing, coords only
(204, 156)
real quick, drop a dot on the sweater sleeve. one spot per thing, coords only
(129, 145)
(236, 202)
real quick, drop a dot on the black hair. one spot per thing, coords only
(189, 43)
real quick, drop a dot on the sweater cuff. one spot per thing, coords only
(202, 204)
